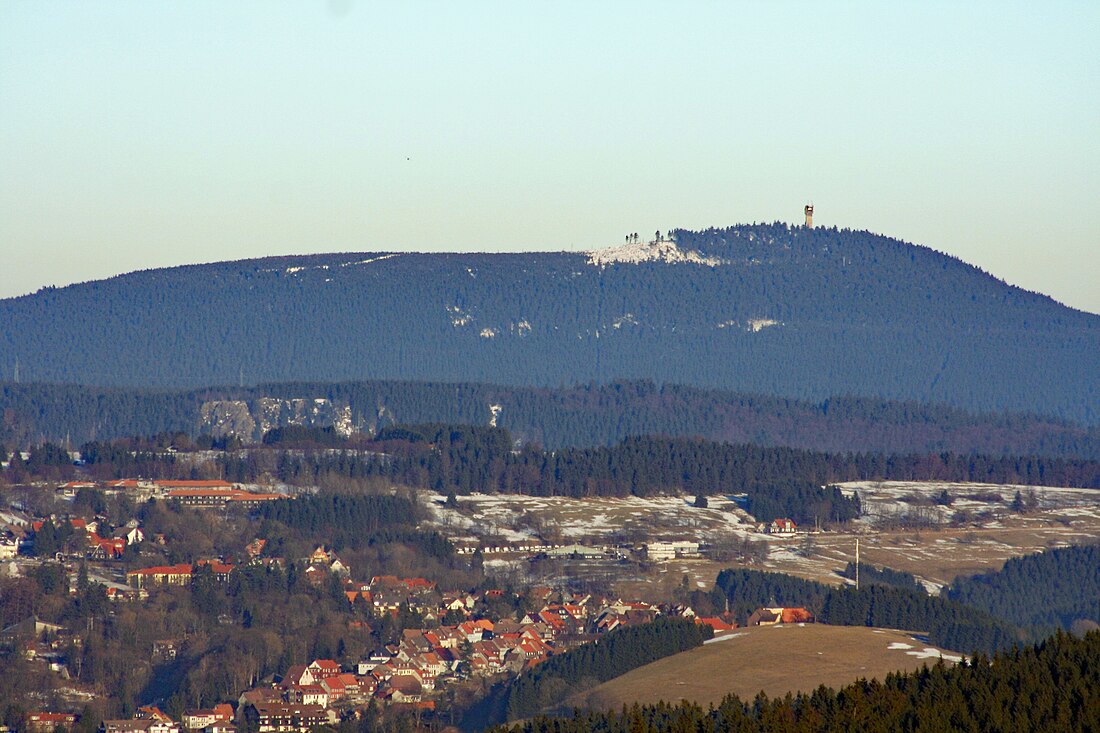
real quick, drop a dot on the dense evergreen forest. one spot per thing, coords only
(871, 575)
(780, 310)
(1053, 687)
(555, 680)
(467, 458)
(556, 418)
(950, 625)
(1057, 588)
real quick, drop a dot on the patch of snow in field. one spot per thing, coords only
(931, 588)
(899, 645)
(725, 637)
(930, 653)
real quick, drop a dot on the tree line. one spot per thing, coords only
(1054, 589)
(583, 415)
(949, 624)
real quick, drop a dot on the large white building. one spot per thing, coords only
(670, 550)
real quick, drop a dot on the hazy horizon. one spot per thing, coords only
(138, 136)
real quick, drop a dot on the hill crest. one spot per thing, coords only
(766, 308)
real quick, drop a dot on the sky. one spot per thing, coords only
(136, 135)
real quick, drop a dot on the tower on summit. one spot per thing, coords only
(809, 216)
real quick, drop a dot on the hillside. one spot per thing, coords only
(775, 659)
(581, 416)
(767, 309)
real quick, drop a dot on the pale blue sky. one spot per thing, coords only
(138, 134)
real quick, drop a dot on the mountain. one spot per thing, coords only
(768, 309)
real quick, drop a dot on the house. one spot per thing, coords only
(138, 725)
(166, 486)
(796, 616)
(276, 717)
(765, 617)
(783, 527)
(201, 719)
(323, 668)
(165, 650)
(31, 628)
(160, 575)
(326, 559)
(716, 623)
(72, 487)
(404, 688)
(299, 674)
(576, 551)
(308, 695)
(132, 535)
(668, 550)
(177, 574)
(772, 616)
(100, 548)
(43, 722)
(152, 712)
(213, 494)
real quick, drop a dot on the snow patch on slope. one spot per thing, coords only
(656, 251)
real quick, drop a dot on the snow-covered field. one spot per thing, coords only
(886, 500)
(516, 518)
(978, 531)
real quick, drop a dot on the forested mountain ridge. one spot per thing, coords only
(580, 416)
(769, 309)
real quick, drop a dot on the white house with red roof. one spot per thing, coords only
(783, 527)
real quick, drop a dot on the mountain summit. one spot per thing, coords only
(765, 308)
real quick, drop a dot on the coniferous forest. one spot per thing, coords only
(780, 310)
(1050, 589)
(558, 417)
(949, 624)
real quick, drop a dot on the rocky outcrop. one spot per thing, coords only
(251, 419)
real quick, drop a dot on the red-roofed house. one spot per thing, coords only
(324, 668)
(200, 719)
(796, 616)
(715, 623)
(783, 527)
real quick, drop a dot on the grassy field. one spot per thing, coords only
(775, 659)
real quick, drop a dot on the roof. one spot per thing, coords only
(180, 569)
(194, 484)
(51, 717)
(204, 492)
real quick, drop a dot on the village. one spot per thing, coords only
(450, 639)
